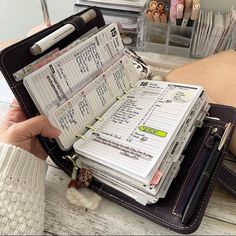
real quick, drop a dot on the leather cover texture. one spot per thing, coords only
(166, 212)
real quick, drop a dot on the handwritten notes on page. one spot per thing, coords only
(56, 82)
(81, 110)
(137, 132)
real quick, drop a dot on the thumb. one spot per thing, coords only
(35, 126)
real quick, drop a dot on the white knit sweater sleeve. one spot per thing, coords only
(22, 191)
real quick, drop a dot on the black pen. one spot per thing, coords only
(205, 176)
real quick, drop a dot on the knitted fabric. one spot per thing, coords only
(22, 191)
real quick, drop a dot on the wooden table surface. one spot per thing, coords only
(111, 219)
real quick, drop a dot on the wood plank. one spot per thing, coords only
(63, 218)
(222, 205)
(210, 226)
(109, 218)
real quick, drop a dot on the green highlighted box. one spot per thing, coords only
(153, 131)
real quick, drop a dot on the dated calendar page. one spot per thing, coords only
(57, 81)
(81, 111)
(82, 83)
(137, 132)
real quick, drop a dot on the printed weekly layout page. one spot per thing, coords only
(81, 83)
(141, 137)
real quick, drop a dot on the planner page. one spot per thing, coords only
(136, 133)
(56, 82)
(82, 109)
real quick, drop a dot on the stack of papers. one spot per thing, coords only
(214, 33)
(136, 147)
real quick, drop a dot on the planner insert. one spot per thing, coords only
(136, 147)
(82, 83)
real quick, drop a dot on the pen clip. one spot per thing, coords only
(210, 141)
(225, 135)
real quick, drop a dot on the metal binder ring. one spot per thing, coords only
(80, 136)
(90, 127)
(98, 119)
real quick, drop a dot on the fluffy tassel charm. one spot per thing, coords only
(77, 193)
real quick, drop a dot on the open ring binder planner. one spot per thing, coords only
(143, 150)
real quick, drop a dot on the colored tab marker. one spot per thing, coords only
(153, 131)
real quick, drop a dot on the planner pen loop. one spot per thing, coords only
(210, 141)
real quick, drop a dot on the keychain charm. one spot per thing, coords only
(77, 192)
(84, 178)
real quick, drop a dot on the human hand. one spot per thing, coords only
(20, 132)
